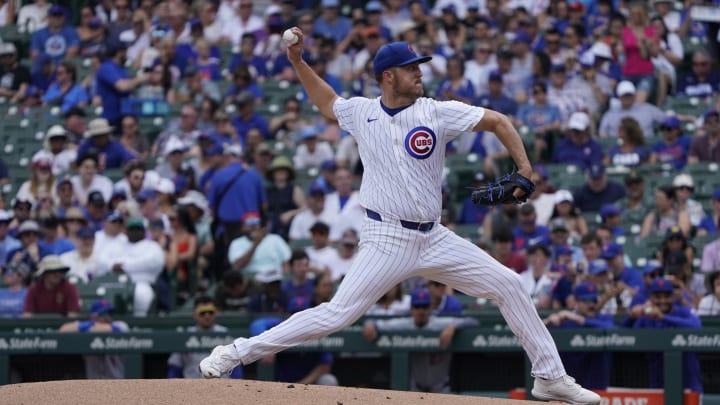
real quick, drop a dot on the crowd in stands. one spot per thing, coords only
(253, 199)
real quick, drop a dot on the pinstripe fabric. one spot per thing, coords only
(404, 183)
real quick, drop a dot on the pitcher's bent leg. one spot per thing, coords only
(467, 268)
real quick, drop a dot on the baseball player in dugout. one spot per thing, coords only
(401, 138)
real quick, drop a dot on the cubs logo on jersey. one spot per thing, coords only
(420, 142)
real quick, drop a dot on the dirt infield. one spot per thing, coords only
(225, 392)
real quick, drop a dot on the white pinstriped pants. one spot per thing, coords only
(389, 254)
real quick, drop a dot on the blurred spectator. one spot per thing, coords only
(710, 224)
(42, 181)
(568, 95)
(58, 40)
(709, 304)
(312, 152)
(674, 146)
(232, 293)
(42, 75)
(536, 279)
(271, 299)
(286, 199)
(121, 20)
(12, 292)
(594, 74)
(283, 125)
(51, 293)
(631, 278)
(52, 241)
(441, 301)
(527, 232)
(455, 86)
(647, 115)
(636, 203)
(254, 64)
(134, 179)
(471, 213)
(114, 84)
(314, 212)
(242, 81)
(331, 23)
(689, 286)
(31, 252)
(184, 244)
(615, 297)
(7, 242)
(591, 368)
(395, 302)
(174, 163)
(631, 150)
(33, 16)
(75, 124)
(194, 88)
(185, 365)
(704, 148)
(661, 312)
(345, 203)
(577, 147)
(436, 68)
(14, 77)
(684, 189)
(703, 80)
(138, 36)
(670, 54)
(665, 215)
(241, 21)
(503, 251)
(429, 372)
(110, 233)
(93, 36)
(21, 212)
(140, 258)
(256, 250)
(541, 117)
(96, 209)
(81, 261)
(338, 64)
(66, 200)
(346, 251)
(321, 252)
(598, 190)
(496, 98)
(247, 118)
(158, 85)
(212, 25)
(503, 217)
(131, 138)
(319, 66)
(100, 366)
(184, 129)
(111, 154)
(299, 285)
(565, 209)
(640, 43)
(58, 149)
(478, 68)
(610, 219)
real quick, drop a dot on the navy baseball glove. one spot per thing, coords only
(501, 191)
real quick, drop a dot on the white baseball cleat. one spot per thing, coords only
(564, 389)
(221, 361)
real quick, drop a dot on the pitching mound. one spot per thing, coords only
(208, 392)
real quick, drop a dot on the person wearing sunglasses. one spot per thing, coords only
(185, 365)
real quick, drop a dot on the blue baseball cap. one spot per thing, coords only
(586, 292)
(181, 182)
(522, 36)
(373, 6)
(85, 233)
(563, 250)
(114, 216)
(329, 164)
(145, 195)
(661, 285)
(420, 296)
(396, 54)
(611, 250)
(101, 307)
(596, 171)
(597, 266)
(308, 132)
(495, 75)
(609, 209)
(298, 304)
(56, 10)
(672, 122)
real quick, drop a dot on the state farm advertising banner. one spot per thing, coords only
(628, 396)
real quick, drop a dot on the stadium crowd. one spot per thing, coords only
(257, 206)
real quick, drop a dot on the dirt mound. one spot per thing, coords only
(225, 392)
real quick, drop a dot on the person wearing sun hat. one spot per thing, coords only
(287, 197)
(51, 293)
(98, 138)
(59, 144)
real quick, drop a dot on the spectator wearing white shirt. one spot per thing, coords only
(710, 304)
(345, 203)
(314, 212)
(312, 152)
(535, 279)
(81, 261)
(478, 69)
(140, 258)
(88, 179)
(57, 143)
(347, 250)
(110, 234)
(242, 22)
(321, 253)
(33, 17)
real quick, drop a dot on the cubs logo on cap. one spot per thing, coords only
(420, 142)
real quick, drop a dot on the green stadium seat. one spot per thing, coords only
(116, 288)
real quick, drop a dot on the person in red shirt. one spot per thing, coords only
(503, 252)
(51, 293)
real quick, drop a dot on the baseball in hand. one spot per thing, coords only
(289, 37)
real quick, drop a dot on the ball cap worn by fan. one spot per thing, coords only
(396, 54)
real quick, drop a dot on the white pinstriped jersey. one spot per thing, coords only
(403, 154)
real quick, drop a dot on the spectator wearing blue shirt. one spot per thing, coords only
(496, 99)
(471, 213)
(577, 148)
(631, 151)
(662, 312)
(7, 242)
(31, 251)
(591, 369)
(57, 40)
(114, 84)
(597, 191)
(331, 23)
(299, 285)
(65, 91)
(610, 218)
(455, 86)
(257, 66)
(42, 76)
(13, 292)
(442, 303)
(527, 232)
(51, 241)
(243, 81)
(111, 154)
(247, 118)
(541, 117)
(703, 80)
(319, 66)
(614, 255)
(709, 224)
(674, 146)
